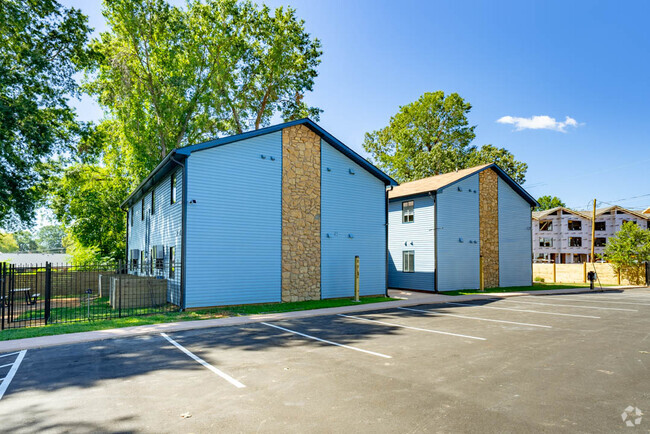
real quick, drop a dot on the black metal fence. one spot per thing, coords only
(35, 295)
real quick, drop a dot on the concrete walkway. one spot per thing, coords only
(407, 298)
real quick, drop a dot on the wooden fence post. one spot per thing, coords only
(584, 272)
(554, 273)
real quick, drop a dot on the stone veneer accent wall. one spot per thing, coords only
(300, 214)
(489, 226)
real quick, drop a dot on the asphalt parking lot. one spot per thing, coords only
(561, 363)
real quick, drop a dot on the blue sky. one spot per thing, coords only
(587, 60)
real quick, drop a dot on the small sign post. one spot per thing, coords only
(356, 279)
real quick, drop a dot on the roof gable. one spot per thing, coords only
(337, 144)
(172, 159)
(440, 182)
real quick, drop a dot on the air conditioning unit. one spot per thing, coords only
(159, 251)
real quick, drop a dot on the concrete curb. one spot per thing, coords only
(98, 335)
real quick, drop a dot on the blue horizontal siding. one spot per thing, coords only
(234, 230)
(418, 236)
(162, 228)
(458, 235)
(515, 248)
(352, 223)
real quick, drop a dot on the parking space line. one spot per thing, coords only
(434, 313)
(223, 375)
(524, 310)
(4, 366)
(599, 301)
(573, 305)
(9, 354)
(413, 328)
(10, 375)
(328, 342)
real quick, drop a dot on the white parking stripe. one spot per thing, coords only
(590, 300)
(412, 328)
(10, 376)
(8, 354)
(223, 375)
(328, 342)
(4, 366)
(476, 318)
(572, 305)
(524, 310)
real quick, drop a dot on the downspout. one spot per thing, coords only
(434, 196)
(390, 188)
(183, 228)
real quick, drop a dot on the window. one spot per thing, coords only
(153, 201)
(628, 221)
(600, 242)
(408, 261)
(575, 225)
(407, 212)
(172, 194)
(172, 265)
(575, 242)
(131, 212)
(546, 225)
(546, 242)
(141, 260)
(142, 211)
(152, 256)
(648, 224)
(601, 226)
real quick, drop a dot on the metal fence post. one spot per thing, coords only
(3, 299)
(119, 297)
(48, 291)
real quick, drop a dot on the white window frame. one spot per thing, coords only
(408, 265)
(408, 211)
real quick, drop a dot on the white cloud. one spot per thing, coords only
(539, 123)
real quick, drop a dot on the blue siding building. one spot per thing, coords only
(453, 231)
(276, 214)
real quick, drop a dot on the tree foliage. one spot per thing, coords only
(548, 202)
(8, 243)
(25, 240)
(169, 77)
(488, 154)
(628, 249)
(432, 136)
(50, 238)
(166, 77)
(86, 199)
(42, 46)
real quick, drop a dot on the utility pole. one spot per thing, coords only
(593, 232)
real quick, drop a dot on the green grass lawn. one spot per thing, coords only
(537, 286)
(220, 312)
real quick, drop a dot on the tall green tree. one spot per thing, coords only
(42, 46)
(548, 202)
(50, 238)
(86, 199)
(25, 240)
(627, 250)
(432, 136)
(169, 77)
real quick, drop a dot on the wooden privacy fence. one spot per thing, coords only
(577, 273)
